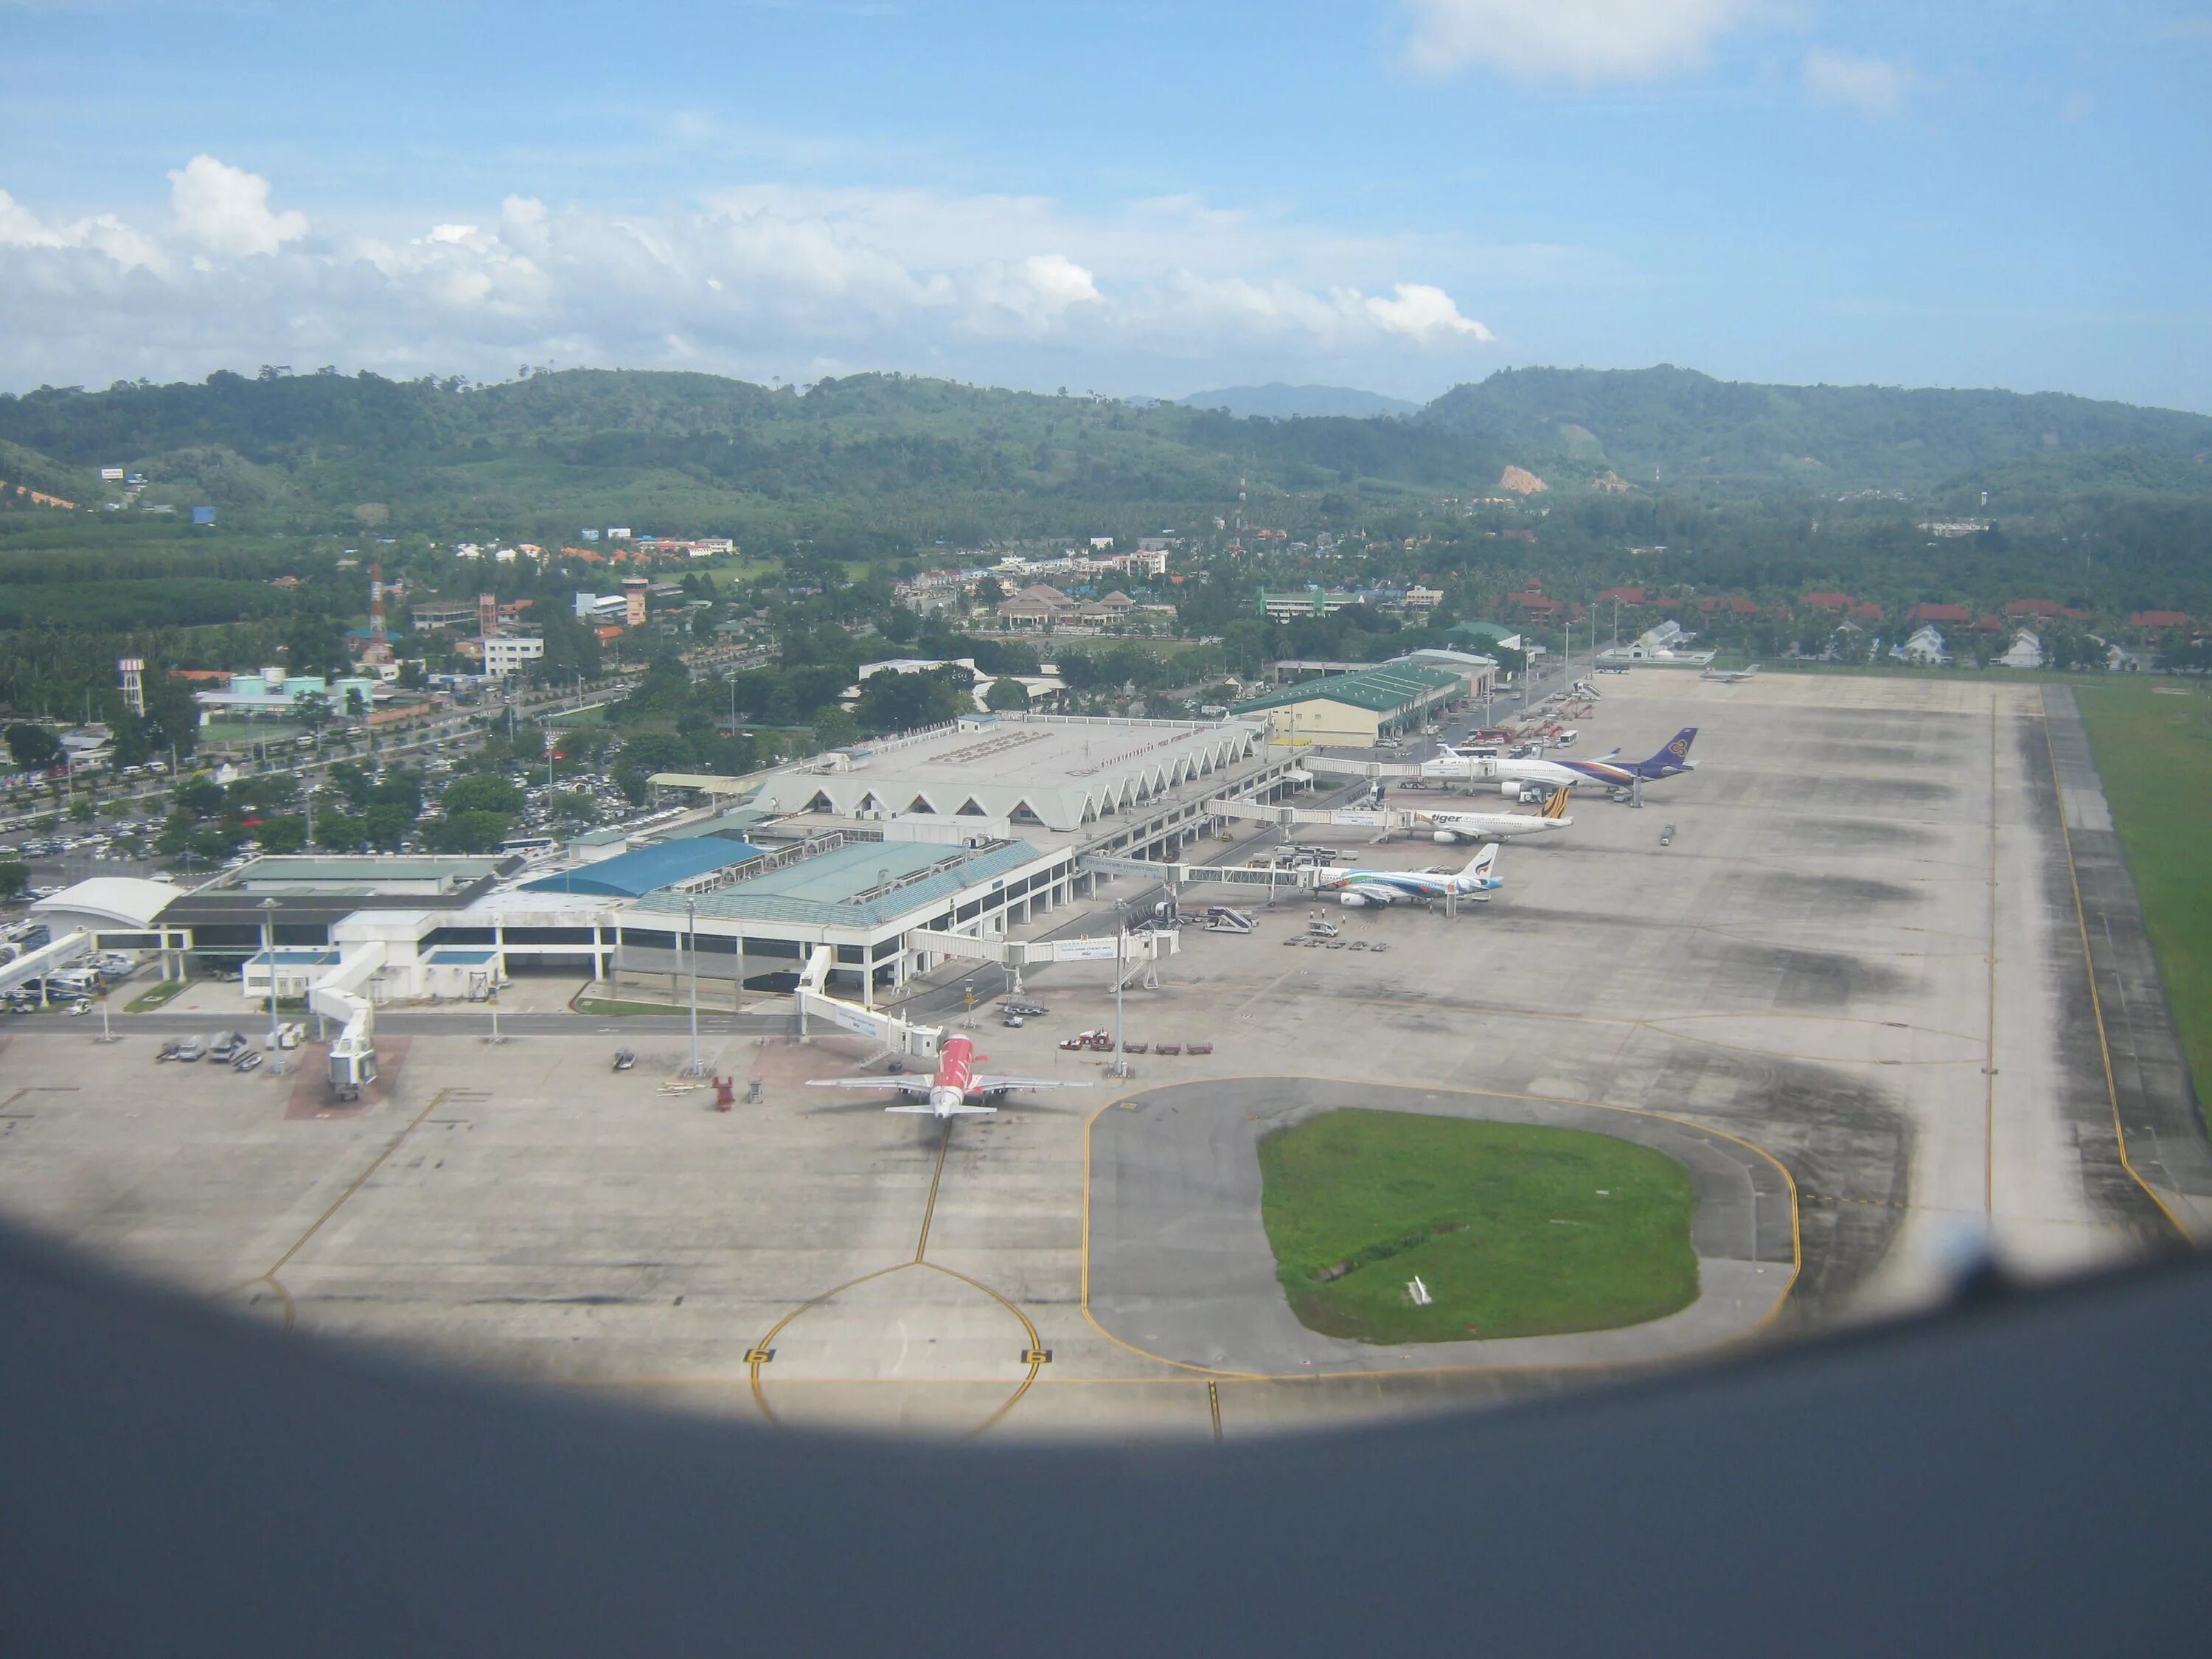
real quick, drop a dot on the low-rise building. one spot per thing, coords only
(504, 655)
(1355, 710)
(1924, 648)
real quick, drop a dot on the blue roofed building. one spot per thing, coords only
(693, 864)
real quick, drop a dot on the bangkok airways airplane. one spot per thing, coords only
(948, 1091)
(1356, 887)
(1612, 773)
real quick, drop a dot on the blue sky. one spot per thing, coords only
(1133, 198)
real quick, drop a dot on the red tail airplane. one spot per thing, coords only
(954, 1084)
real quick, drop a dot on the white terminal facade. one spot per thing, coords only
(973, 828)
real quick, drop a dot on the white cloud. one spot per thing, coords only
(1583, 41)
(756, 280)
(226, 208)
(1421, 312)
(1872, 86)
(104, 233)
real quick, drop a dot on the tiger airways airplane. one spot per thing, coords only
(1610, 774)
(947, 1091)
(1356, 887)
(1450, 827)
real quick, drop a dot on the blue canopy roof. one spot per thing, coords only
(638, 872)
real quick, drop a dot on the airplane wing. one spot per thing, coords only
(909, 1083)
(991, 1085)
(1372, 892)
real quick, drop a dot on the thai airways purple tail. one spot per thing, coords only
(1674, 757)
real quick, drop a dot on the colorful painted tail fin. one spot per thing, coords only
(1556, 807)
(1480, 866)
(1677, 751)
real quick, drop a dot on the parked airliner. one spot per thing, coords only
(1448, 827)
(954, 1084)
(1379, 887)
(1613, 774)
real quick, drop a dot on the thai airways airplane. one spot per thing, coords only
(948, 1090)
(1449, 827)
(1355, 887)
(1612, 773)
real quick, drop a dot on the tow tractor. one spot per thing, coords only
(1095, 1040)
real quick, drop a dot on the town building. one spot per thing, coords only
(1925, 647)
(504, 655)
(273, 692)
(1356, 709)
(442, 613)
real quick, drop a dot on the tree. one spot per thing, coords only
(481, 792)
(199, 798)
(573, 806)
(285, 835)
(32, 745)
(312, 643)
(465, 832)
(1007, 695)
(833, 728)
(14, 880)
(988, 591)
(891, 701)
(387, 822)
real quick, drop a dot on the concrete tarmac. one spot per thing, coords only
(1856, 954)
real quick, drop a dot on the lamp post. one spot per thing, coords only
(691, 932)
(1121, 973)
(269, 951)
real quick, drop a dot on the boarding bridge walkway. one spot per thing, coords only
(36, 964)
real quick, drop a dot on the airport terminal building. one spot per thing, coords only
(876, 851)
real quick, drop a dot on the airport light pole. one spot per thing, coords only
(269, 951)
(691, 932)
(1121, 973)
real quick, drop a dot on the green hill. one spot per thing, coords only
(1687, 428)
(872, 462)
(915, 460)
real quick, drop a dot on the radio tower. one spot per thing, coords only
(376, 603)
(1240, 505)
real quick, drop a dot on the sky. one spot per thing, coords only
(1133, 198)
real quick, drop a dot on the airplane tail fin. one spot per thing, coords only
(1677, 751)
(1480, 866)
(1556, 807)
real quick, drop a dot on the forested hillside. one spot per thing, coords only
(1685, 428)
(917, 460)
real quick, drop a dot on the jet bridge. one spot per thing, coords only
(1272, 879)
(337, 996)
(37, 964)
(1137, 954)
(895, 1036)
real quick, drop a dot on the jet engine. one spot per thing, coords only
(1353, 901)
(1445, 838)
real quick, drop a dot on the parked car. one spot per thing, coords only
(191, 1048)
(224, 1049)
(248, 1062)
(168, 1051)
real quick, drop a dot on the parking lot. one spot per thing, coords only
(1854, 958)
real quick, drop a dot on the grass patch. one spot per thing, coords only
(147, 1001)
(2154, 751)
(605, 1006)
(1515, 1229)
